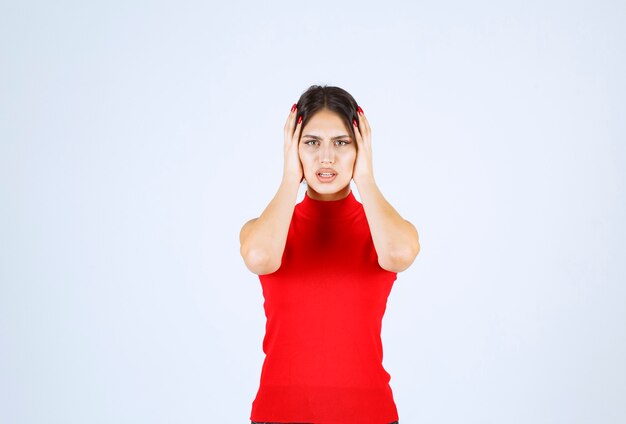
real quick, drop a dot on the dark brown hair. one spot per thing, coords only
(335, 99)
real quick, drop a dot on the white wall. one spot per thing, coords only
(136, 138)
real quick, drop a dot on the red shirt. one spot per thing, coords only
(324, 308)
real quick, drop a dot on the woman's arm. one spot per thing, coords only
(396, 240)
(263, 239)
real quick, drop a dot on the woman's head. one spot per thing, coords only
(327, 141)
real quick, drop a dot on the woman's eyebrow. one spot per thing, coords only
(320, 138)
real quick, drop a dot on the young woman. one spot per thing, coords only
(326, 266)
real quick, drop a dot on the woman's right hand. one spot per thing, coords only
(293, 166)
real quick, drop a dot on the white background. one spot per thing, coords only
(136, 138)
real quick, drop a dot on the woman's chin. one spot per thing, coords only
(327, 188)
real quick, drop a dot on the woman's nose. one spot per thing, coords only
(327, 154)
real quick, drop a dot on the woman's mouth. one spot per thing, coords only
(326, 177)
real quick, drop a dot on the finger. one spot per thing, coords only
(296, 135)
(357, 133)
(291, 122)
(364, 124)
(292, 115)
(363, 121)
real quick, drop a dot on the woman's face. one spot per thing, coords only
(327, 147)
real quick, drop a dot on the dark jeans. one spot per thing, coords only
(254, 422)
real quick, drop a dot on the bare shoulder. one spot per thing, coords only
(245, 229)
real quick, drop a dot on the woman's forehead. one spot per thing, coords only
(328, 125)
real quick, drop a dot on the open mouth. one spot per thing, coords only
(326, 177)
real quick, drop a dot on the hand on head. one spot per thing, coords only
(293, 166)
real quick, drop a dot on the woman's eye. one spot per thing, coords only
(312, 142)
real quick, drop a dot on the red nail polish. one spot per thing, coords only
(300, 119)
(360, 110)
(354, 122)
(293, 107)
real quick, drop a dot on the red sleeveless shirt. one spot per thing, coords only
(324, 308)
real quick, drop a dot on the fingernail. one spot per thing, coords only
(293, 107)
(300, 119)
(354, 122)
(360, 110)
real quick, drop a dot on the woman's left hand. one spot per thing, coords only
(363, 168)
